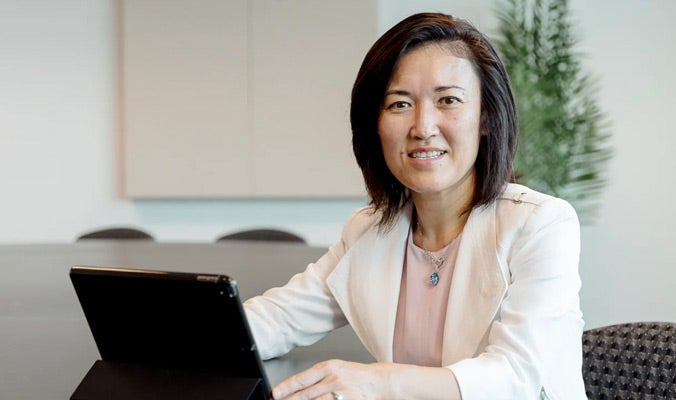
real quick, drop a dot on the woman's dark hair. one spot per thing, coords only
(498, 112)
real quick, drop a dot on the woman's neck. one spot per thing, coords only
(439, 218)
(438, 232)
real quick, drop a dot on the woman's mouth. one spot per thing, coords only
(426, 155)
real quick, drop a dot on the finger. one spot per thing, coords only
(298, 382)
(330, 396)
(316, 392)
(334, 396)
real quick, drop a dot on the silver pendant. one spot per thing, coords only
(434, 278)
(436, 262)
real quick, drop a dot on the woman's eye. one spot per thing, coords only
(449, 100)
(397, 105)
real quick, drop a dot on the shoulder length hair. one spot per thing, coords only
(498, 122)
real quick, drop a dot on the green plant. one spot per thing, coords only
(563, 135)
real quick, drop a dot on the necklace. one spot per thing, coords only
(436, 261)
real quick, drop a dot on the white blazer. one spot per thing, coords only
(513, 324)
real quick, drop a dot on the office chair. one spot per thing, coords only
(630, 361)
(117, 233)
(271, 235)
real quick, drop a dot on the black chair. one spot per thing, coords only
(630, 361)
(270, 235)
(120, 233)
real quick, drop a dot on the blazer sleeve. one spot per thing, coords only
(303, 311)
(534, 345)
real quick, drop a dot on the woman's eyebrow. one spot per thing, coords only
(443, 88)
(401, 92)
(398, 92)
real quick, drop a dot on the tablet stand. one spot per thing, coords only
(112, 381)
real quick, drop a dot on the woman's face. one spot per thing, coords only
(429, 123)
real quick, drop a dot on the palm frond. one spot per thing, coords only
(563, 134)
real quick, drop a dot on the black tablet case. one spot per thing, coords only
(167, 335)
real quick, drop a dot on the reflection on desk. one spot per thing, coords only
(46, 346)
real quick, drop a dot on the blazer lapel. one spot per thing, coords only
(477, 288)
(366, 283)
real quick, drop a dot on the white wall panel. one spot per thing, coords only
(241, 99)
(185, 98)
(306, 56)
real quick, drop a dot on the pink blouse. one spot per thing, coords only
(421, 312)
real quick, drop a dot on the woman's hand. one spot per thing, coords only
(350, 381)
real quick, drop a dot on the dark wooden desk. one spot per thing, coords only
(46, 346)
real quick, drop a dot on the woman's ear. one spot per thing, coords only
(483, 123)
(483, 131)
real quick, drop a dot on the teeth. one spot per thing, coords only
(427, 154)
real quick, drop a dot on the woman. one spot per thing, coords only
(460, 284)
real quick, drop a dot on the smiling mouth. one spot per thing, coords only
(425, 155)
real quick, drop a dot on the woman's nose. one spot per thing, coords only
(425, 124)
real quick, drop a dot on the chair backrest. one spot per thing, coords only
(117, 233)
(630, 361)
(271, 235)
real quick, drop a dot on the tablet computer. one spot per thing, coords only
(188, 326)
